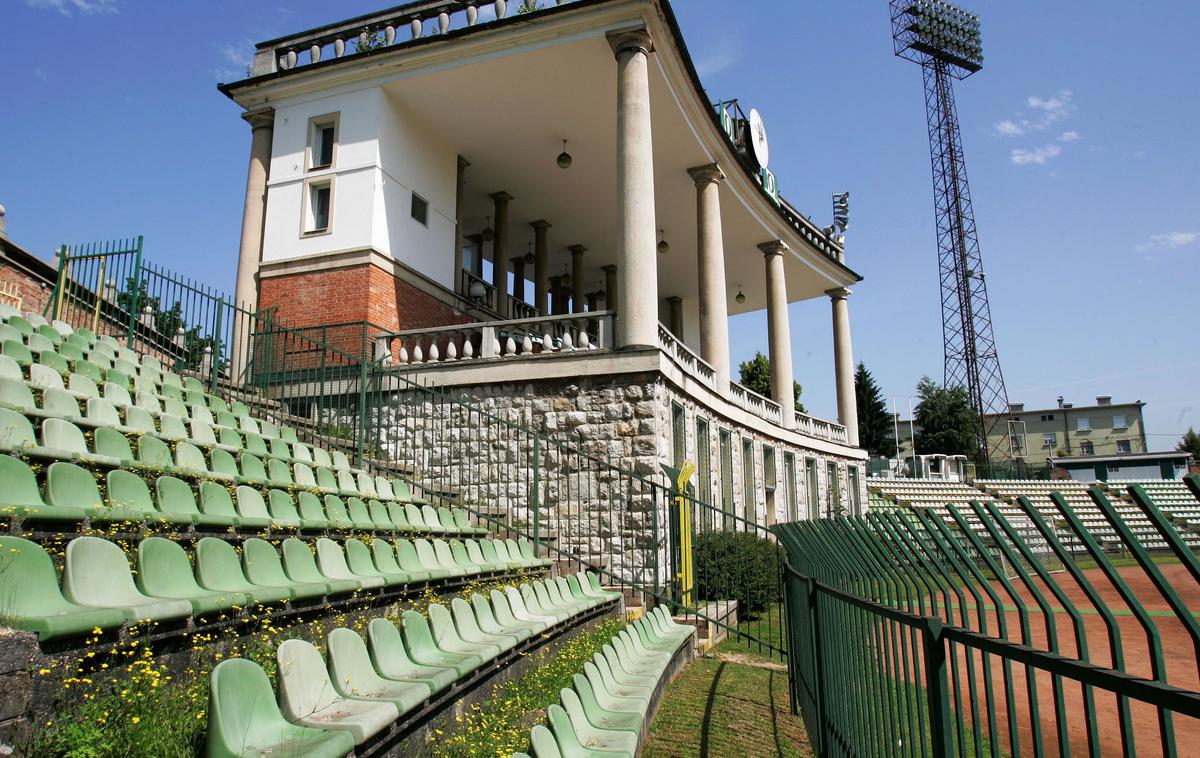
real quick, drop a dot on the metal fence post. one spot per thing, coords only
(822, 735)
(59, 282)
(135, 302)
(937, 688)
(362, 409)
(535, 500)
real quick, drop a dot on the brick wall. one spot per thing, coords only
(18, 282)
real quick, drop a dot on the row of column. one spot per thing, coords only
(638, 321)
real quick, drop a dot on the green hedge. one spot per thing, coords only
(737, 566)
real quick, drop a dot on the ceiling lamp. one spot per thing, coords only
(663, 245)
(741, 297)
(487, 234)
(566, 277)
(477, 290)
(564, 158)
(529, 255)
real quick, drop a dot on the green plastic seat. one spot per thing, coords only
(404, 493)
(537, 605)
(340, 461)
(255, 445)
(60, 404)
(516, 602)
(309, 698)
(303, 476)
(486, 620)
(321, 458)
(359, 559)
(154, 453)
(263, 567)
(642, 683)
(224, 465)
(360, 515)
(543, 743)
(10, 369)
(312, 515)
(22, 498)
(103, 413)
(354, 675)
(97, 574)
(379, 514)
(346, 483)
(579, 739)
(18, 352)
(279, 474)
(384, 488)
(215, 500)
(172, 428)
(335, 511)
(469, 551)
(502, 611)
(250, 505)
(33, 600)
(283, 510)
(392, 661)
(446, 519)
(384, 556)
(430, 560)
(129, 492)
(280, 450)
(115, 394)
(16, 395)
(611, 694)
(288, 434)
(447, 637)
(629, 721)
(456, 551)
(68, 439)
(113, 444)
(16, 434)
(177, 501)
(190, 459)
(301, 566)
(245, 721)
(470, 632)
(82, 386)
(331, 561)
(165, 571)
(326, 481)
(433, 521)
(410, 560)
(619, 660)
(399, 518)
(463, 520)
(252, 469)
(419, 642)
(219, 569)
(45, 377)
(71, 487)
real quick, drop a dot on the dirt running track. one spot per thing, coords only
(1179, 652)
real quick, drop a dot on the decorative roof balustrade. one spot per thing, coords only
(395, 26)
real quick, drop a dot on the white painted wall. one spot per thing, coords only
(383, 156)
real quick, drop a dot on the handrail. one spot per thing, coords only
(700, 368)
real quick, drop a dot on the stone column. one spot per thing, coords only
(843, 363)
(556, 296)
(638, 323)
(541, 264)
(675, 316)
(518, 269)
(710, 258)
(254, 212)
(577, 252)
(778, 333)
(610, 287)
(500, 253)
(458, 222)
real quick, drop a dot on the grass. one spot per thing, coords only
(720, 707)
(767, 626)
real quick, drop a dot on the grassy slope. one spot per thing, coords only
(724, 708)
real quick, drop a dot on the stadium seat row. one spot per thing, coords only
(72, 495)
(326, 709)
(98, 588)
(604, 713)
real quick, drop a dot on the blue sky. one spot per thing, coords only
(1081, 148)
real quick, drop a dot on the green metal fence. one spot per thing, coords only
(909, 636)
(578, 501)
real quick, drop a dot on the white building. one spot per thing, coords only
(408, 169)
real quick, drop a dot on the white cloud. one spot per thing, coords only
(40, 74)
(1036, 156)
(236, 58)
(1043, 113)
(1169, 240)
(67, 7)
(1068, 136)
(723, 55)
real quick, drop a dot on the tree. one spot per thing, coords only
(947, 421)
(1190, 444)
(874, 421)
(755, 375)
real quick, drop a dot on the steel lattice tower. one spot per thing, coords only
(945, 40)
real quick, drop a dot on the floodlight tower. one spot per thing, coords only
(945, 40)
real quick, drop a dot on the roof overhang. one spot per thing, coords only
(504, 94)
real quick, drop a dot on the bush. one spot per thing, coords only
(738, 566)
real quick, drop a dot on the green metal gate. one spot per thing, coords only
(910, 637)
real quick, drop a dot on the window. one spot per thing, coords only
(1124, 446)
(769, 476)
(1049, 439)
(1087, 448)
(1014, 444)
(1119, 422)
(748, 488)
(704, 474)
(726, 452)
(678, 435)
(322, 141)
(317, 207)
(1047, 417)
(812, 487)
(420, 209)
(855, 497)
(1083, 425)
(833, 490)
(793, 497)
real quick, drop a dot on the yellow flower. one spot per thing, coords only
(135, 719)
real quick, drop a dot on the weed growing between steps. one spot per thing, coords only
(500, 725)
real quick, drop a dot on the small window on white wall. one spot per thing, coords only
(420, 209)
(318, 206)
(322, 141)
